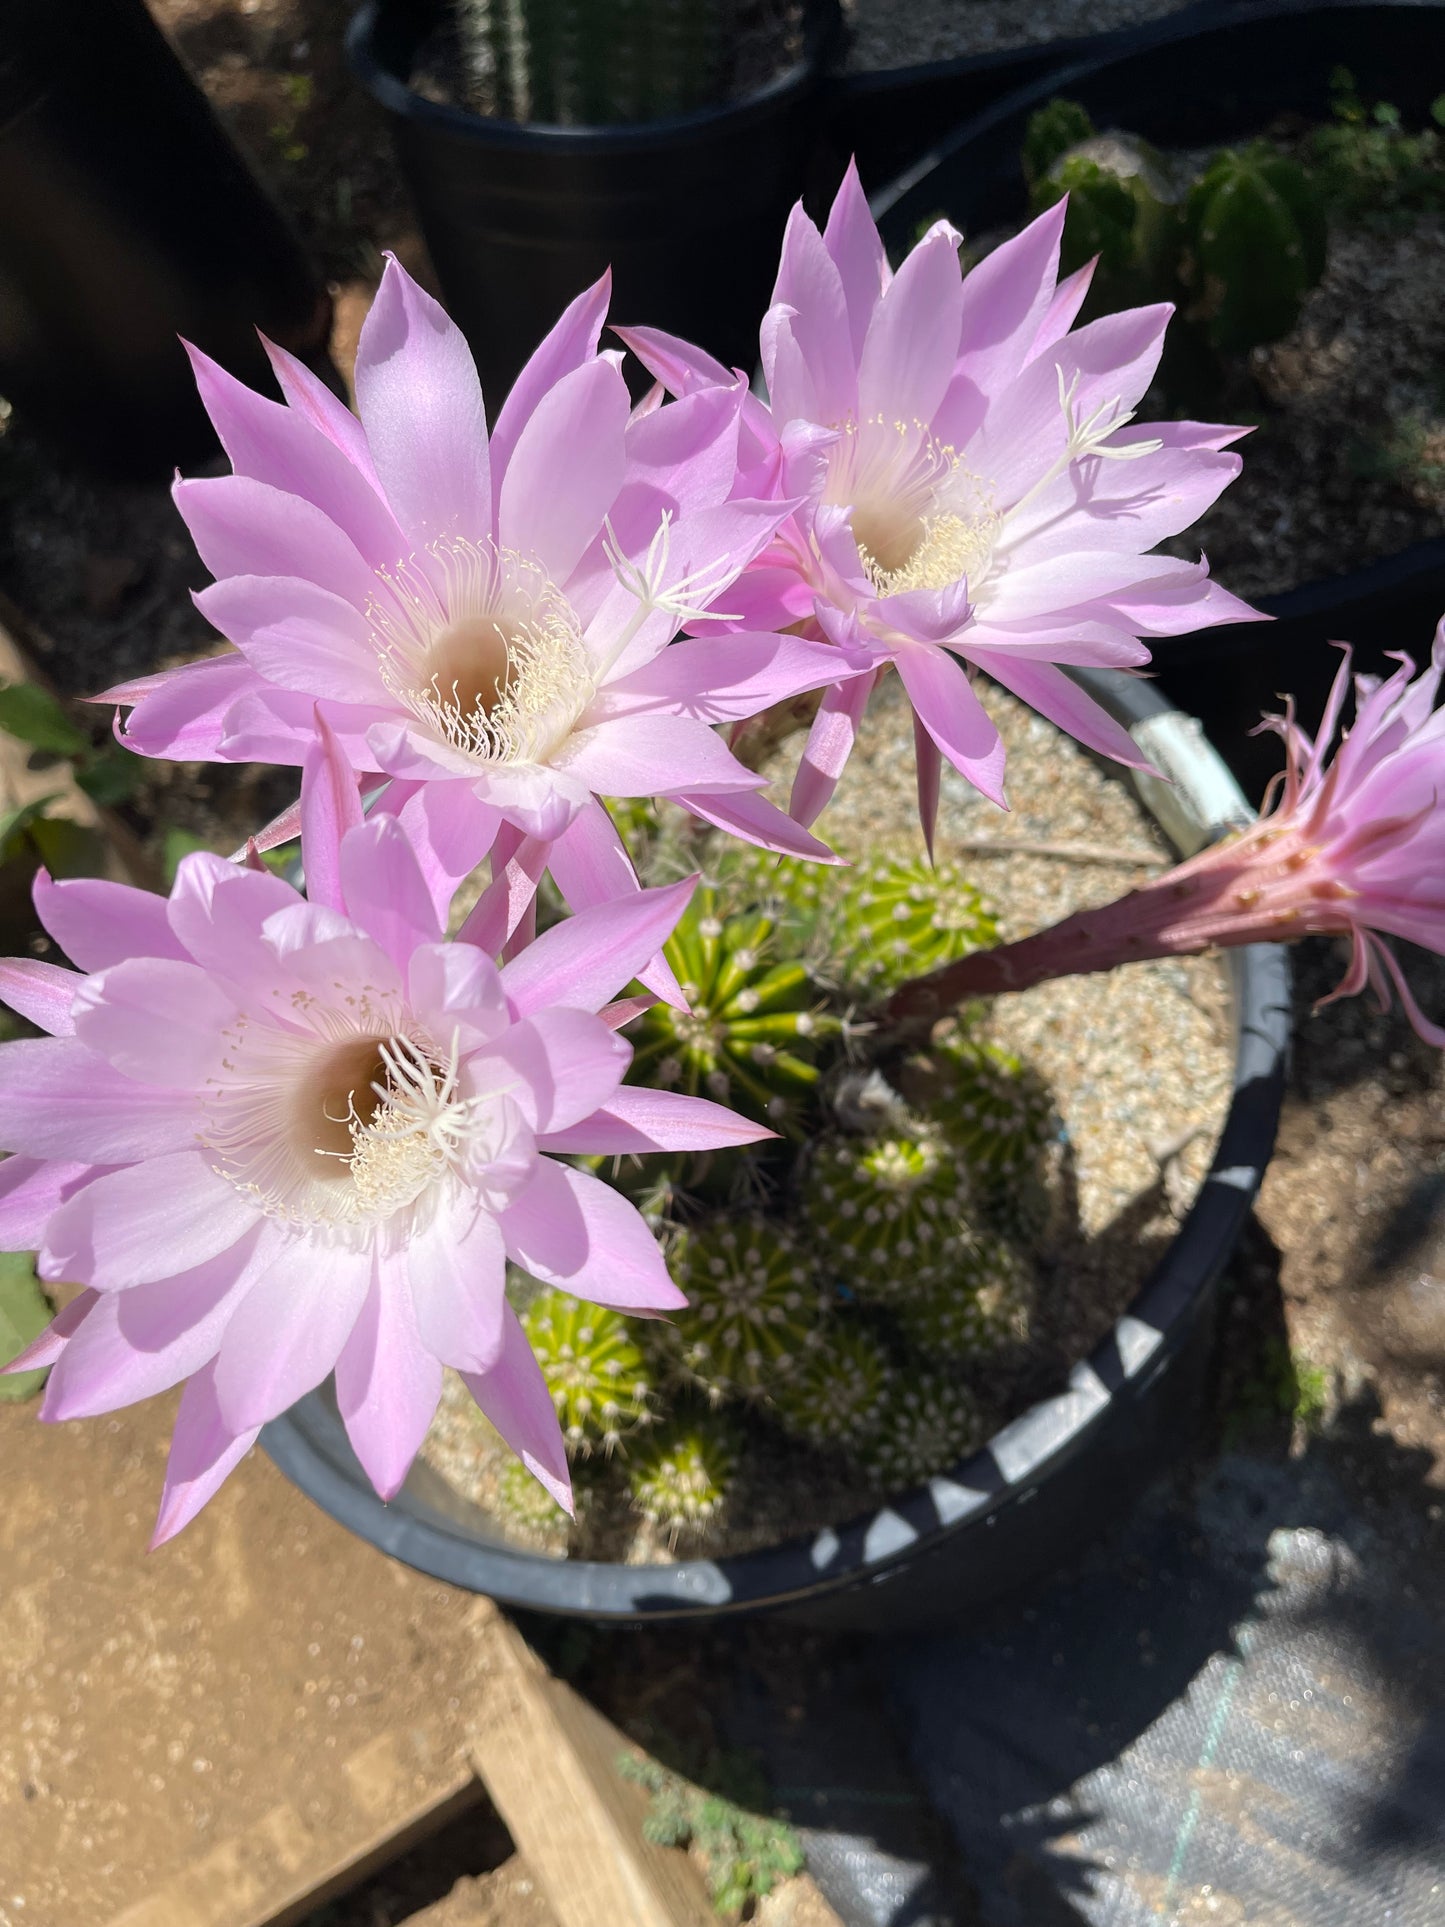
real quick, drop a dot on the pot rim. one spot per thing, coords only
(309, 1443)
(820, 21)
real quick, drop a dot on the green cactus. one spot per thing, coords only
(929, 1425)
(1256, 228)
(1123, 207)
(981, 1307)
(897, 919)
(1052, 130)
(891, 1212)
(594, 1368)
(755, 1311)
(752, 1032)
(991, 1105)
(594, 62)
(838, 1396)
(680, 1476)
(524, 1501)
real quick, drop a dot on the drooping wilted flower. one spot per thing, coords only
(273, 1137)
(974, 487)
(484, 620)
(1349, 845)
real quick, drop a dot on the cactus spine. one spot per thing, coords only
(890, 1212)
(595, 1371)
(680, 1476)
(755, 1306)
(751, 1034)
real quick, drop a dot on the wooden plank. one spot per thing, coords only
(398, 1789)
(549, 1763)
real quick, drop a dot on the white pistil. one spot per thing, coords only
(643, 581)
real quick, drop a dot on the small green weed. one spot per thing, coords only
(1369, 164)
(746, 1852)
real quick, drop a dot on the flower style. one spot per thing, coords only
(483, 621)
(274, 1137)
(973, 486)
(1350, 846)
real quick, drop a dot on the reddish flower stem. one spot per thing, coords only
(1260, 886)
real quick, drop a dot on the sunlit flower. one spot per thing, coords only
(485, 620)
(272, 1138)
(975, 488)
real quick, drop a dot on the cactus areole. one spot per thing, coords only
(939, 1544)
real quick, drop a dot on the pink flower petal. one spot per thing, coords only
(32, 1190)
(720, 679)
(450, 829)
(590, 865)
(159, 1022)
(518, 865)
(204, 1451)
(912, 344)
(652, 755)
(421, 407)
(584, 961)
(330, 807)
(830, 743)
(273, 444)
(1006, 299)
(181, 713)
(454, 987)
(42, 993)
(59, 1100)
(514, 1396)
(957, 721)
(137, 1343)
(289, 1329)
(148, 1221)
(244, 527)
(566, 469)
(385, 891)
(748, 814)
(309, 396)
(279, 725)
(809, 283)
(571, 342)
(1053, 694)
(458, 1269)
(97, 923)
(217, 910)
(42, 1352)
(636, 1119)
(560, 1065)
(853, 241)
(297, 636)
(569, 1229)
(387, 1382)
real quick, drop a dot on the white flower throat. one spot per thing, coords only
(922, 520)
(484, 649)
(347, 1126)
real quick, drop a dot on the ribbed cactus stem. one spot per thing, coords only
(1264, 885)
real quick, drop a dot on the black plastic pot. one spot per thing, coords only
(688, 213)
(127, 219)
(1194, 85)
(1044, 1484)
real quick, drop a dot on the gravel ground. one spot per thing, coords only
(883, 35)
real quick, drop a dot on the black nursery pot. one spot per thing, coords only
(1193, 84)
(1049, 1481)
(128, 219)
(518, 219)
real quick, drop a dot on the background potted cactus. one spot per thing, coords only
(545, 142)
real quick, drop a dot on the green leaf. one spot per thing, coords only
(111, 776)
(35, 717)
(24, 1314)
(67, 849)
(14, 824)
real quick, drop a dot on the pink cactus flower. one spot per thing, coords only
(483, 620)
(273, 1138)
(975, 489)
(1351, 845)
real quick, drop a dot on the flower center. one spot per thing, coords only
(483, 648)
(920, 518)
(341, 1132)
